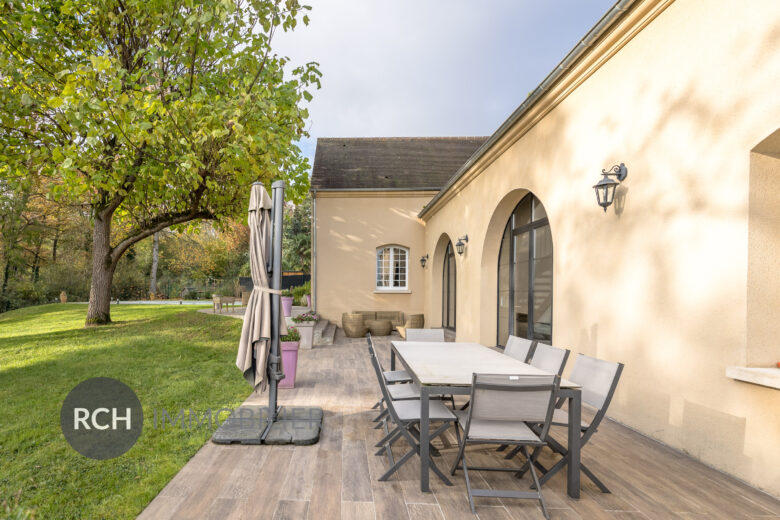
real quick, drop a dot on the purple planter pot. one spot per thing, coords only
(289, 363)
(287, 304)
(308, 300)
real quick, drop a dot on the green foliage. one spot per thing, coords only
(292, 335)
(300, 292)
(170, 356)
(287, 293)
(152, 114)
(296, 237)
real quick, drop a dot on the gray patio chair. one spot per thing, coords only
(425, 335)
(406, 417)
(519, 348)
(397, 390)
(598, 380)
(550, 359)
(402, 376)
(502, 406)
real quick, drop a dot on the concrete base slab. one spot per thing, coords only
(299, 425)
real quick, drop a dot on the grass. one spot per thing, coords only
(172, 357)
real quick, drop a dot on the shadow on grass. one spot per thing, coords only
(180, 359)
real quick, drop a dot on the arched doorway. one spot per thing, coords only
(448, 289)
(525, 269)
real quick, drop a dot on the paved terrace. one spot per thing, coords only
(337, 478)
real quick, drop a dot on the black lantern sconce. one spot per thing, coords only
(423, 260)
(460, 245)
(605, 188)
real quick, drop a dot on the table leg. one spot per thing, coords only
(392, 358)
(573, 468)
(425, 431)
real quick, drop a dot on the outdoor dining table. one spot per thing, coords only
(447, 368)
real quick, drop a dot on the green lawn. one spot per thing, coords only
(172, 357)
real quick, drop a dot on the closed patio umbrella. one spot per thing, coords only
(256, 334)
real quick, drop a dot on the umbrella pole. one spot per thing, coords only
(276, 283)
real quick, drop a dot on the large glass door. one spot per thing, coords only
(525, 274)
(448, 289)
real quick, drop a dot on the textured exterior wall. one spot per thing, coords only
(349, 228)
(661, 281)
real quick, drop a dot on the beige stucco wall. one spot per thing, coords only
(349, 228)
(659, 281)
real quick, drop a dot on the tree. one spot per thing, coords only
(155, 260)
(296, 237)
(151, 113)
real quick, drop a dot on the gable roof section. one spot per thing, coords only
(389, 163)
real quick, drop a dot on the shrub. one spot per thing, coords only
(305, 317)
(292, 335)
(300, 292)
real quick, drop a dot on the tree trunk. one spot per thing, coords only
(155, 258)
(99, 311)
(54, 247)
(6, 271)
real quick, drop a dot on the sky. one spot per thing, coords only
(430, 67)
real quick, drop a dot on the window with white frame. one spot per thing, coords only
(391, 268)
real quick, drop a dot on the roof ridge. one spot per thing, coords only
(402, 138)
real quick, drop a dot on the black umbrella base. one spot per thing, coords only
(299, 425)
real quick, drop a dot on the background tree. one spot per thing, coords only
(296, 237)
(150, 113)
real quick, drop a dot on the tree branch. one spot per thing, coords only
(157, 224)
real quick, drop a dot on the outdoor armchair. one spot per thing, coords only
(519, 348)
(502, 407)
(550, 359)
(598, 379)
(405, 415)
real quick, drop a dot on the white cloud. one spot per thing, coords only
(430, 67)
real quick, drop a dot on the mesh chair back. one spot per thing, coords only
(502, 397)
(597, 378)
(425, 335)
(518, 348)
(550, 359)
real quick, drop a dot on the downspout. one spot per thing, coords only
(314, 250)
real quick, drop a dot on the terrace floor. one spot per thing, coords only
(337, 478)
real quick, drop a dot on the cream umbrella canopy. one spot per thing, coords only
(256, 334)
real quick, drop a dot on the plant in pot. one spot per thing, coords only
(289, 344)
(305, 323)
(287, 302)
(302, 294)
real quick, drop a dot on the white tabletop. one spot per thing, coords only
(452, 364)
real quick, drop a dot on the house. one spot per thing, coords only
(678, 278)
(367, 238)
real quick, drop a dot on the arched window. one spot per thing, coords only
(448, 289)
(391, 268)
(525, 263)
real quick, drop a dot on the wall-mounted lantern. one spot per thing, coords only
(460, 245)
(423, 260)
(605, 188)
